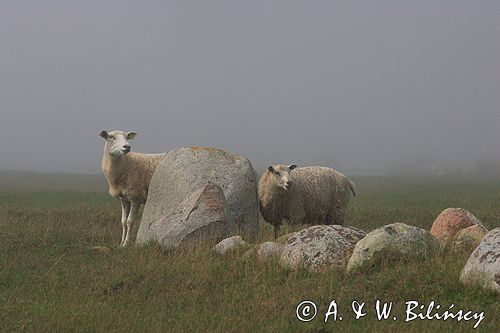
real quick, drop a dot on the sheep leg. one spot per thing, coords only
(134, 207)
(125, 213)
(338, 215)
(276, 230)
(329, 218)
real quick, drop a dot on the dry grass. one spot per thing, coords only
(51, 281)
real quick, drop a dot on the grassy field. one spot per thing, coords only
(51, 282)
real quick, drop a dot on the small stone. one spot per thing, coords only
(230, 244)
(467, 239)
(266, 251)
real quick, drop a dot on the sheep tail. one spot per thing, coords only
(353, 188)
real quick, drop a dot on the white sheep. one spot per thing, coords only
(128, 175)
(308, 195)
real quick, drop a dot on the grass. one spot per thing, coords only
(51, 281)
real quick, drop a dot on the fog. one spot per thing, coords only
(364, 87)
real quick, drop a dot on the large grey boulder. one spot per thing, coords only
(483, 266)
(392, 242)
(320, 247)
(202, 216)
(185, 170)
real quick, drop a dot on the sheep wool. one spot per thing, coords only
(319, 195)
(129, 176)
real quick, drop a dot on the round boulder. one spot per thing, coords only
(391, 243)
(483, 266)
(320, 247)
(451, 221)
(188, 169)
(266, 251)
(467, 239)
(230, 244)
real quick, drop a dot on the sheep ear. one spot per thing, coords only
(104, 134)
(131, 135)
(292, 166)
(270, 168)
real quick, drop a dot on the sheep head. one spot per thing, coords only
(280, 175)
(117, 142)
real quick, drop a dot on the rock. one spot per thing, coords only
(202, 216)
(467, 239)
(451, 221)
(185, 170)
(269, 250)
(100, 249)
(230, 244)
(320, 247)
(391, 243)
(266, 251)
(483, 266)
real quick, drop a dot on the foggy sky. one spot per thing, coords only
(356, 86)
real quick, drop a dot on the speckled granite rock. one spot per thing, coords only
(451, 221)
(467, 239)
(320, 247)
(185, 170)
(202, 216)
(392, 242)
(483, 266)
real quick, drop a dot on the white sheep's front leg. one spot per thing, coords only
(125, 213)
(134, 208)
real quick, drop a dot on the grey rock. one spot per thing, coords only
(185, 170)
(392, 242)
(269, 250)
(467, 239)
(320, 247)
(483, 266)
(266, 251)
(230, 244)
(202, 216)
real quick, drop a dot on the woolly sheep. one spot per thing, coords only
(308, 195)
(128, 175)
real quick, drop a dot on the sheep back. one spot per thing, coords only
(317, 193)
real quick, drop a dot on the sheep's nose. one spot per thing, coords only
(126, 146)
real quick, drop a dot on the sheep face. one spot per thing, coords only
(116, 142)
(280, 174)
